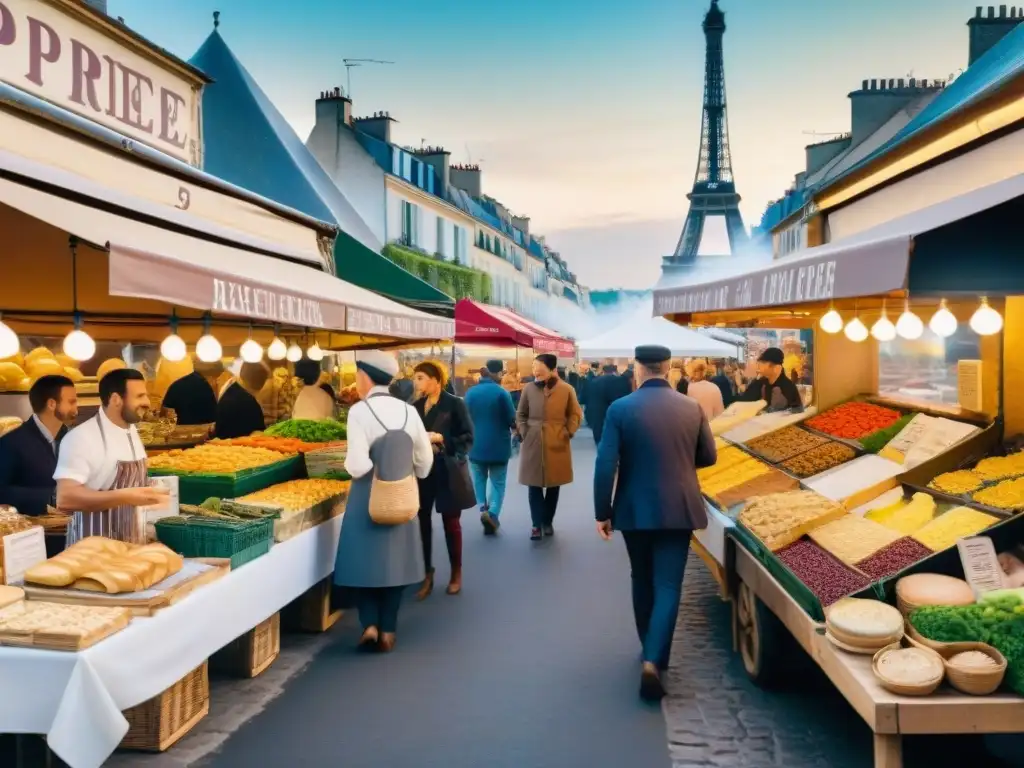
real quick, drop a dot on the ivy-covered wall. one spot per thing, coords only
(457, 281)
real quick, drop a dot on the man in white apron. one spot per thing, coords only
(102, 469)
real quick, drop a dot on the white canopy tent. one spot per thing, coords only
(622, 340)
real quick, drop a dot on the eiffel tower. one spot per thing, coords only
(714, 190)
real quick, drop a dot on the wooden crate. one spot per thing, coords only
(312, 611)
(156, 725)
(252, 653)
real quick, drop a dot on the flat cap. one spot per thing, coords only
(380, 366)
(652, 353)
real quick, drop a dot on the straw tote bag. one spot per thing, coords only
(394, 492)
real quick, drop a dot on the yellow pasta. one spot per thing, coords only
(944, 531)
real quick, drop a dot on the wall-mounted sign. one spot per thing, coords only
(78, 67)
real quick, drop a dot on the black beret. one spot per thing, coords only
(649, 354)
(772, 355)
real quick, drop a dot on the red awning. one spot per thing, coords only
(483, 324)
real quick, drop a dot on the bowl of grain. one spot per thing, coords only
(974, 668)
(913, 671)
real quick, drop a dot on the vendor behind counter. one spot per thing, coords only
(773, 385)
(192, 397)
(239, 413)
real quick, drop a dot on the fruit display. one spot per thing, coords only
(957, 483)
(214, 459)
(297, 495)
(906, 516)
(309, 430)
(893, 558)
(852, 421)
(820, 572)
(99, 564)
(286, 445)
(852, 538)
(782, 518)
(785, 443)
(818, 460)
(945, 530)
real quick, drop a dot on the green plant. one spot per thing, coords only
(457, 281)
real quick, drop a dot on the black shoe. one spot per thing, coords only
(651, 688)
(489, 523)
(549, 531)
(536, 534)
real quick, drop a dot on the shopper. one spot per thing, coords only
(448, 487)
(601, 393)
(723, 379)
(192, 397)
(645, 485)
(239, 413)
(772, 385)
(494, 419)
(102, 468)
(378, 561)
(703, 391)
(28, 454)
(312, 402)
(547, 419)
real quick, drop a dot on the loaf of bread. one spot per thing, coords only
(98, 564)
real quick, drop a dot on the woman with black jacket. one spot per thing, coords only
(451, 433)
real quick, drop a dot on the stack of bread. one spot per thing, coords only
(98, 564)
(863, 626)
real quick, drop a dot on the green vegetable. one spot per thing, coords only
(212, 504)
(999, 594)
(309, 430)
(998, 621)
(876, 441)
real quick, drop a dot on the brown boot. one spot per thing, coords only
(427, 587)
(386, 643)
(455, 582)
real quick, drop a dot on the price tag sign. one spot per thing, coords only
(22, 550)
(170, 507)
(981, 565)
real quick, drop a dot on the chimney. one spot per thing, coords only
(377, 125)
(522, 223)
(874, 106)
(820, 154)
(467, 178)
(985, 31)
(98, 5)
(335, 107)
(438, 158)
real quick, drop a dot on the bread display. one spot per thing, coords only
(98, 564)
(53, 625)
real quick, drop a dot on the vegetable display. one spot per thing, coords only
(877, 441)
(853, 421)
(309, 430)
(998, 621)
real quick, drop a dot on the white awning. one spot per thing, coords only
(871, 263)
(622, 340)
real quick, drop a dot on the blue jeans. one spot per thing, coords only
(489, 485)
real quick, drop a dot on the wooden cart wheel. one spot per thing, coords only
(761, 637)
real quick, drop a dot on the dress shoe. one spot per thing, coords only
(426, 587)
(369, 638)
(651, 688)
(455, 582)
(386, 643)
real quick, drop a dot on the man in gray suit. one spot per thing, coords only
(654, 440)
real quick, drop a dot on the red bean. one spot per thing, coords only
(823, 574)
(893, 558)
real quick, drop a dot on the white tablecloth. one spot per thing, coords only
(76, 699)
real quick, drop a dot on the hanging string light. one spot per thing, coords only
(831, 321)
(294, 353)
(277, 350)
(909, 325)
(943, 322)
(78, 345)
(208, 349)
(173, 348)
(986, 321)
(10, 345)
(883, 329)
(855, 330)
(251, 350)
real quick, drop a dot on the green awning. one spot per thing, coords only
(368, 269)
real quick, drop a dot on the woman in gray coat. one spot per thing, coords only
(378, 561)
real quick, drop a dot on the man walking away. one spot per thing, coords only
(494, 417)
(654, 441)
(601, 393)
(547, 419)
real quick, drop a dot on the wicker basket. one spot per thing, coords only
(921, 640)
(973, 681)
(157, 724)
(923, 688)
(312, 612)
(252, 653)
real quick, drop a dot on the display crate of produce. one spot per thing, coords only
(241, 541)
(859, 421)
(302, 503)
(196, 487)
(328, 462)
(251, 654)
(156, 725)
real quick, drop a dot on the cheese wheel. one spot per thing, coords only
(868, 619)
(922, 589)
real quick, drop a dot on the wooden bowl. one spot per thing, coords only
(923, 688)
(976, 682)
(867, 643)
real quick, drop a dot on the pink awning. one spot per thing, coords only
(477, 323)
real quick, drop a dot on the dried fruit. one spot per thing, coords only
(785, 443)
(825, 576)
(854, 420)
(818, 460)
(893, 558)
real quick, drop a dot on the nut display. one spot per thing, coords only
(957, 483)
(1008, 494)
(818, 460)
(825, 576)
(297, 495)
(945, 530)
(785, 443)
(1001, 467)
(893, 558)
(852, 538)
(782, 518)
(215, 459)
(853, 421)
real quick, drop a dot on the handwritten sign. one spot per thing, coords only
(22, 550)
(76, 65)
(981, 565)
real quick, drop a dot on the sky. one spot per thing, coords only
(584, 114)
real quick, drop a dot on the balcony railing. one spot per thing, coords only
(457, 281)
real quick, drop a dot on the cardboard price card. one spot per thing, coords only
(981, 565)
(22, 550)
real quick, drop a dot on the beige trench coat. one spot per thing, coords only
(547, 419)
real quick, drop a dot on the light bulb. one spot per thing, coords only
(208, 349)
(943, 322)
(294, 353)
(173, 348)
(831, 322)
(251, 351)
(883, 329)
(314, 353)
(78, 345)
(855, 330)
(277, 349)
(986, 321)
(9, 343)
(909, 325)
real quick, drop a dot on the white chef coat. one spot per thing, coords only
(363, 429)
(85, 459)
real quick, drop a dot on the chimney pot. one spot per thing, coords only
(864, 85)
(913, 82)
(991, 12)
(1002, 11)
(900, 83)
(977, 12)
(874, 84)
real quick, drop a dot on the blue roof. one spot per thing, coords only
(780, 210)
(249, 143)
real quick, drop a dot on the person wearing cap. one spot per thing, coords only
(601, 393)
(494, 419)
(645, 487)
(378, 561)
(548, 416)
(773, 385)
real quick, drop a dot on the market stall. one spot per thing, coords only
(881, 482)
(620, 341)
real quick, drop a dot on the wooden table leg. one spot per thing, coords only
(888, 750)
